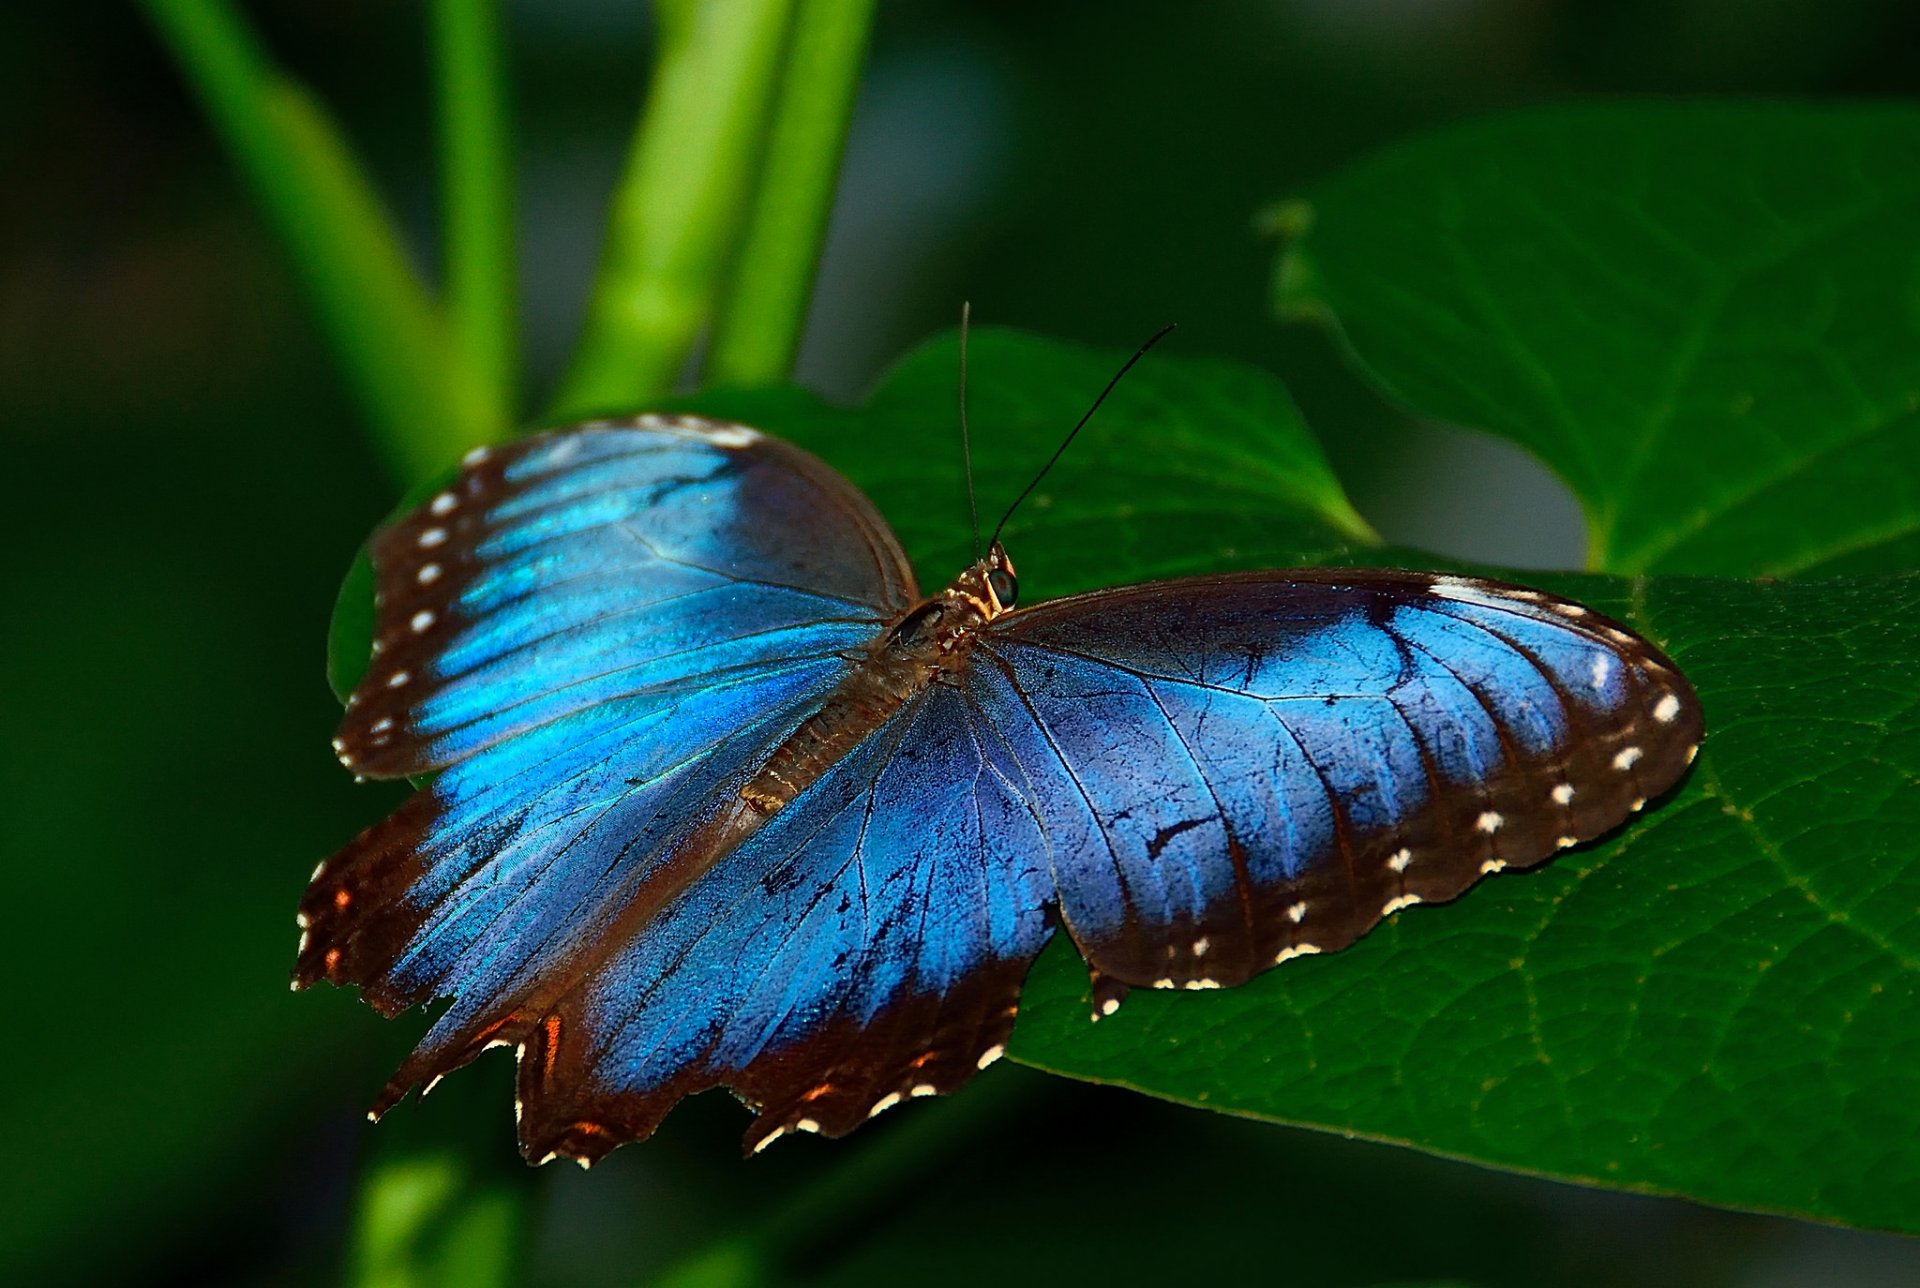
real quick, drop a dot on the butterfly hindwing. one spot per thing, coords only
(1234, 770)
(866, 946)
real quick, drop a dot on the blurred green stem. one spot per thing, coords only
(422, 1220)
(868, 1174)
(384, 329)
(758, 326)
(677, 209)
(476, 178)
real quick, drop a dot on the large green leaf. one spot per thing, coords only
(1714, 1003)
(1722, 1001)
(1705, 317)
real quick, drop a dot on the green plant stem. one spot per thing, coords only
(423, 1220)
(384, 329)
(477, 180)
(758, 327)
(676, 212)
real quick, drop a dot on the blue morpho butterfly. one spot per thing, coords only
(723, 800)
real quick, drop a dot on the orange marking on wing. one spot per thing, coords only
(341, 898)
(332, 958)
(818, 1091)
(552, 1051)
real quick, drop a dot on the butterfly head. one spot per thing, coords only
(946, 621)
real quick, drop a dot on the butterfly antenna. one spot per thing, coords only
(966, 442)
(1060, 451)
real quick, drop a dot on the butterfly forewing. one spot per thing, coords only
(1236, 770)
(572, 569)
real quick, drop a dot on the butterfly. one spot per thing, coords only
(720, 799)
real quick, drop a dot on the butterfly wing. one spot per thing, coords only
(867, 945)
(592, 634)
(573, 568)
(1234, 770)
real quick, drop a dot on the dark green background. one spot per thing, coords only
(186, 481)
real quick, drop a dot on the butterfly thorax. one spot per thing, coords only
(930, 640)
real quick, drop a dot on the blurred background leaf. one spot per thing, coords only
(1705, 317)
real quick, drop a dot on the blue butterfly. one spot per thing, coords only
(720, 799)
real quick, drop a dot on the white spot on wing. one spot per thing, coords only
(1666, 709)
(444, 503)
(1297, 913)
(731, 435)
(1489, 822)
(925, 1089)
(421, 620)
(758, 1145)
(1109, 1005)
(398, 678)
(428, 574)
(1402, 860)
(1395, 904)
(1602, 668)
(1563, 794)
(1298, 950)
(1628, 757)
(1493, 865)
(431, 538)
(1201, 945)
(883, 1104)
(989, 1055)
(476, 456)
(1467, 592)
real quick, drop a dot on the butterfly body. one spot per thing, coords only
(723, 801)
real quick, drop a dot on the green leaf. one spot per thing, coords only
(1722, 1001)
(1209, 458)
(1704, 316)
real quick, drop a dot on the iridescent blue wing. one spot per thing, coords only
(1234, 770)
(591, 633)
(577, 567)
(867, 945)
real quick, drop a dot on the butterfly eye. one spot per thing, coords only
(918, 624)
(1004, 587)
